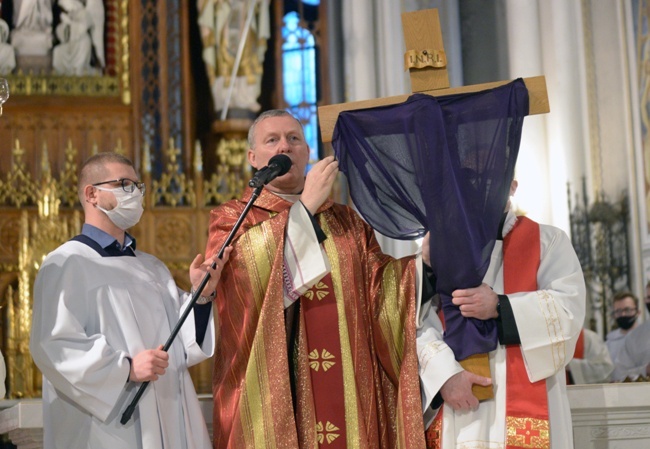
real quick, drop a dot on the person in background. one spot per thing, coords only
(633, 358)
(625, 310)
(102, 310)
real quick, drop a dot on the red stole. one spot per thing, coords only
(580, 346)
(527, 423)
(579, 353)
(326, 369)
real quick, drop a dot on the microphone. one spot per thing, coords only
(278, 166)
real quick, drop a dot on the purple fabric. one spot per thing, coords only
(444, 165)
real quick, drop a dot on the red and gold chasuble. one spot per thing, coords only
(527, 424)
(355, 360)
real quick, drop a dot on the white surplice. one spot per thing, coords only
(615, 340)
(549, 321)
(90, 314)
(634, 356)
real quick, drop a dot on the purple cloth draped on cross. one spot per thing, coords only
(444, 165)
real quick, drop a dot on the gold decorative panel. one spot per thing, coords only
(40, 211)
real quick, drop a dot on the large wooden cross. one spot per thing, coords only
(427, 63)
(425, 57)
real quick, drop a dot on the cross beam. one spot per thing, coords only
(423, 39)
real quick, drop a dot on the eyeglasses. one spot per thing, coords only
(128, 185)
(628, 311)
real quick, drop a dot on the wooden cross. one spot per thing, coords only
(427, 63)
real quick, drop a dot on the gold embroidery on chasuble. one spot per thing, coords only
(326, 434)
(392, 315)
(527, 433)
(433, 433)
(319, 291)
(350, 397)
(258, 261)
(326, 360)
(321, 329)
(259, 247)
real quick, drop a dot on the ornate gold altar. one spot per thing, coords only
(142, 104)
(148, 99)
(38, 214)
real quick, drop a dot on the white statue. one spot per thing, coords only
(80, 31)
(7, 53)
(222, 23)
(32, 27)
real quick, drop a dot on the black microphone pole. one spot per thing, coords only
(131, 408)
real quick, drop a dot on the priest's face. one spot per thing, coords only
(281, 135)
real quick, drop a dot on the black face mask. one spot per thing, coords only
(625, 322)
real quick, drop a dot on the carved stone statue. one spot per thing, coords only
(222, 23)
(7, 54)
(32, 27)
(80, 33)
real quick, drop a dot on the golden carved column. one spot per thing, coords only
(38, 235)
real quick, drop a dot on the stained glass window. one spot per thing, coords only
(299, 73)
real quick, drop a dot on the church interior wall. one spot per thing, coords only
(583, 47)
(579, 47)
(618, 152)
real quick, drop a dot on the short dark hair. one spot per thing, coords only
(94, 168)
(626, 294)
(263, 116)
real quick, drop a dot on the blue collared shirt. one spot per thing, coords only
(107, 241)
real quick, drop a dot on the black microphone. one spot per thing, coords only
(279, 165)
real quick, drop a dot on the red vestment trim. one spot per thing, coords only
(526, 403)
(433, 435)
(326, 368)
(580, 346)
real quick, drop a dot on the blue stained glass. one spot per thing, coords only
(299, 77)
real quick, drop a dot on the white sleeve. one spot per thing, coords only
(634, 356)
(435, 359)
(305, 261)
(195, 353)
(550, 319)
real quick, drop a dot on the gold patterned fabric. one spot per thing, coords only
(373, 313)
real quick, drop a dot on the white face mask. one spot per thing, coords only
(128, 210)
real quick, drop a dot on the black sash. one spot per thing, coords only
(110, 251)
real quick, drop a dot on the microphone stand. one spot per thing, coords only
(131, 408)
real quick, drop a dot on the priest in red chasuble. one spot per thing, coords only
(317, 344)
